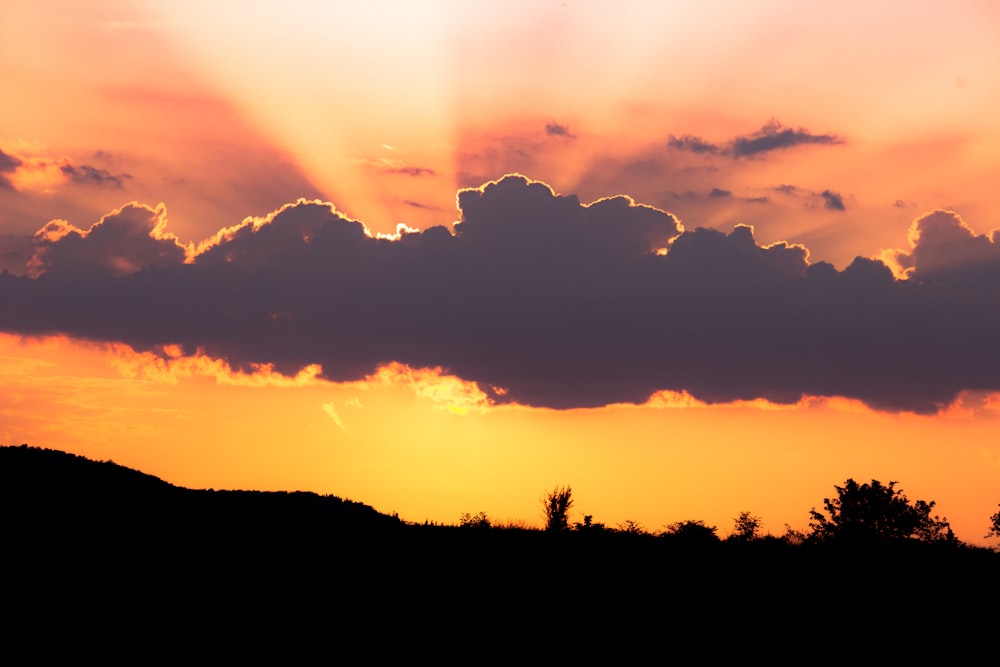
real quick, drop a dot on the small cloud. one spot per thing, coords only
(87, 175)
(409, 171)
(832, 200)
(559, 130)
(786, 189)
(331, 412)
(763, 199)
(692, 144)
(353, 402)
(719, 192)
(8, 165)
(774, 136)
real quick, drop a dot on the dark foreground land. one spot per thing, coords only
(100, 551)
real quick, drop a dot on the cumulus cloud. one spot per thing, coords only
(771, 137)
(537, 299)
(125, 241)
(944, 250)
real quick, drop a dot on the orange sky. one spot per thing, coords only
(387, 109)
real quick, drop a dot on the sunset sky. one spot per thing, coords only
(690, 258)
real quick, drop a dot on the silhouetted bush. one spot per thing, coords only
(875, 513)
(693, 532)
(474, 520)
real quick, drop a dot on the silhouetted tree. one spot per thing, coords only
(994, 525)
(877, 512)
(746, 527)
(557, 503)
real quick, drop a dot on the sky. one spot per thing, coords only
(691, 259)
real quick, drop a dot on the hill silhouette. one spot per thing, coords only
(165, 562)
(45, 484)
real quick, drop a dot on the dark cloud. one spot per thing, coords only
(947, 252)
(832, 200)
(771, 137)
(762, 199)
(562, 304)
(692, 144)
(786, 189)
(8, 164)
(87, 175)
(719, 192)
(558, 130)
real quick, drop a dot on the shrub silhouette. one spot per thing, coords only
(691, 532)
(475, 520)
(557, 503)
(877, 513)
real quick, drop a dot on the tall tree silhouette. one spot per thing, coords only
(557, 503)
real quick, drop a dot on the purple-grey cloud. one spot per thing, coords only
(562, 304)
(87, 175)
(558, 130)
(692, 144)
(774, 136)
(8, 164)
(832, 200)
(771, 137)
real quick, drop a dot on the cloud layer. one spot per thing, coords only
(536, 297)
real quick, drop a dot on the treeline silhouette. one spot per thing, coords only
(78, 531)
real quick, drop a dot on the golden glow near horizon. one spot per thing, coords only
(225, 111)
(429, 447)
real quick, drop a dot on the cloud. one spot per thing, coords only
(946, 253)
(832, 200)
(331, 411)
(87, 175)
(409, 171)
(558, 130)
(692, 144)
(42, 172)
(125, 241)
(719, 192)
(534, 298)
(771, 137)
(8, 165)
